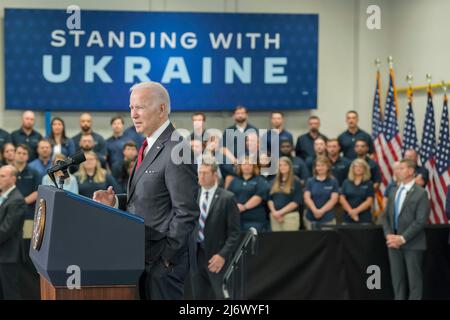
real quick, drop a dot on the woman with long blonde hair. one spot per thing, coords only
(285, 198)
(92, 177)
(357, 193)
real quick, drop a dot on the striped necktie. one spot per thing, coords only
(202, 218)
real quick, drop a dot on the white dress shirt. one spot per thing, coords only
(152, 139)
(407, 188)
(211, 192)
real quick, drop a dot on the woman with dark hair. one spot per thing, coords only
(250, 192)
(58, 139)
(7, 154)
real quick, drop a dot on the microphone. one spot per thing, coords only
(74, 159)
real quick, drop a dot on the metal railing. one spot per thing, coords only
(236, 269)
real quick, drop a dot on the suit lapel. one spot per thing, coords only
(213, 202)
(151, 155)
(408, 195)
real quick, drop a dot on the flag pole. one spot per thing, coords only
(391, 73)
(428, 76)
(409, 79)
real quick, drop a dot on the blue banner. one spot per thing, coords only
(207, 61)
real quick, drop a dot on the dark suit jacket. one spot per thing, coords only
(164, 193)
(412, 218)
(12, 213)
(222, 226)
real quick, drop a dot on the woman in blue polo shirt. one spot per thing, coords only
(285, 198)
(250, 192)
(357, 193)
(321, 195)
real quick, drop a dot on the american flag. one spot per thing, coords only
(428, 153)
(390, 149)
(409, 131)
(441, 174)
(377, 130)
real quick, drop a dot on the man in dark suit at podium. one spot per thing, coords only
(217, 235)
(12, 212)
(161, 190)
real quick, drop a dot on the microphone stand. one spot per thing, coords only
(63, 177)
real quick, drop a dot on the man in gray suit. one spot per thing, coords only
(404, 219)
(217, 235)
(12, 213)
(161, 190)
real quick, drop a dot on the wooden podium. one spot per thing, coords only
(104, 244)
(49, 292)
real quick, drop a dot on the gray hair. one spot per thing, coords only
(157, 89)
(12, 170)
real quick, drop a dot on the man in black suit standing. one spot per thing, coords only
(163, 191)
(12, 212)
(405, 216)
(217, 235)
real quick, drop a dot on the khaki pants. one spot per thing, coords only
(309, 224)
(291, 222)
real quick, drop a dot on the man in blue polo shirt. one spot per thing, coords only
(236, 134)
(348, 138)
(86, 128)
(305, 143)
(44, 161)
(115, 143)
(339, 165)
(278, 130)
(27, 135)
(27, 179)
(320, 149)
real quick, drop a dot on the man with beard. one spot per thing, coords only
(305, 143)
(348, 138)
(339, 165)
(87, 143)
(320, 149)
(86, 128)
(236, 134)
(362, 152)
(27, 135)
